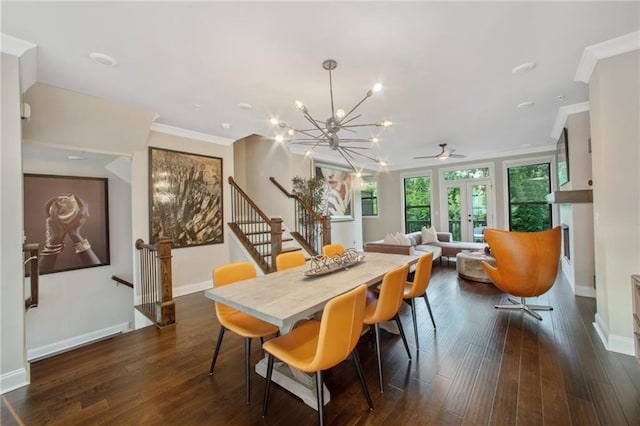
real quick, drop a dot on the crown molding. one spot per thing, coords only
(563, 113)
(592, 54)
(191, 134)
(15, 46)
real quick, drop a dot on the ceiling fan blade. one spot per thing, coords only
(426, 156)
(457, 155)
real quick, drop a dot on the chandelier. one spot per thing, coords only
(326, 133)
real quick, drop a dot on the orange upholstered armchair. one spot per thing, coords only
(526, 265)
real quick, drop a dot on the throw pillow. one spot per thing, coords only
(429, 235)
(402, 239)
(389, 239)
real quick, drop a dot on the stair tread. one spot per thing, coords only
(284, 240)
(284, 250)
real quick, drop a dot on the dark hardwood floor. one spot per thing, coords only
(481, 366)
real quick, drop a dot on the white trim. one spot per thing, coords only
(190, 134)
(76, 341)
(15, 46)
(592, 54)
(140, 320)
(13, 380)
(612, 342)
(192, 288)
(563, 113)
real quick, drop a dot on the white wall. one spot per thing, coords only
(14, 370)
(89, 301)
(614, 91)
(192, 266)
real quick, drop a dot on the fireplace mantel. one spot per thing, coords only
(570, 197)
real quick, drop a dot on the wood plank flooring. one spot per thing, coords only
(481, 366)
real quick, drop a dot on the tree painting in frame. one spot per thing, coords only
(68, 216)
(185, 198)
(338, 193)
(563, 158)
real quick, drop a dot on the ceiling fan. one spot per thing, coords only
(444, 154)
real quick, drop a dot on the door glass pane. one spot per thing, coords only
(453, 208)
(479, 211)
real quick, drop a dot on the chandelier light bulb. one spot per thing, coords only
(290, 132)
(386, 123)
(307, 152)
(340, 114)
(279, 138)
(375, 140)
(382, 163)
(299, 104)
(274, 121)
(377, 87)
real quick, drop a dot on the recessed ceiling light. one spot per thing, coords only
(225, 125)
(560, 97)
(103, 59)
(526, 104)
(196, 106)
(522, 68)
(75, 157)
(244, 106)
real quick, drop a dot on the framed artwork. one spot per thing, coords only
(562, 152)
(185, 198)
(69, 217)
(338, 195)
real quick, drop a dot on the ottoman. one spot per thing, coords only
(469, 265)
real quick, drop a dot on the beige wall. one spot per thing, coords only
(192, 266)
(14, 370)
(390, 196)
(614, 91)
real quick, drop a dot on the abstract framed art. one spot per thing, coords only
(338, 194)
(69, 217)
(185, 198)
(562, 152)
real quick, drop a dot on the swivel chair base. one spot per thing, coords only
(530, 309)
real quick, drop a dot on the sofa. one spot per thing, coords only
(445, 247)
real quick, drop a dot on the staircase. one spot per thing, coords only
(263, 237)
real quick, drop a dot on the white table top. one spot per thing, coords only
(283, 298)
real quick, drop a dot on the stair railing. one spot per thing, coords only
(260, 235)
(156, 285)
(312, 230)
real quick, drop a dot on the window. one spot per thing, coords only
(474, 173)
(369, 197)
(417, 203)
(528, 186)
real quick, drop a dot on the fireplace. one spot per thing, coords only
(566, 243)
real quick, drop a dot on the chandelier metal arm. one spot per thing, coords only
(343, 153)
(343, 122)
(368, 95)
(362, 125)
(363, 155)
(312, 121)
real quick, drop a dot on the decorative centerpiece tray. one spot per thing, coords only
(323, 265)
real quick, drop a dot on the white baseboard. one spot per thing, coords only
(13, 380)
(140, 320)
(192, 288)
(612, 342)
(76, 341)
(585, 291)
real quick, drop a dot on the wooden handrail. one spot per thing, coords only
(121, 281)
(31, 251)
(295, 197)
(249, 200)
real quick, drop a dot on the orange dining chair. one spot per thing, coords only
(418, 288)
(240, 323)
(334, 249)
(526, 265)
(289, 260)
(315, 345)
(385, 307)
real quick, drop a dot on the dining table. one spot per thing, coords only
(287, 297)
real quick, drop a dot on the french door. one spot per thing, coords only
(467, 210)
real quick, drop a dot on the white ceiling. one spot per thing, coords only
(446, 67)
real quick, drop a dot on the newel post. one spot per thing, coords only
(276, 240)
(326, 230)
(167, 314)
